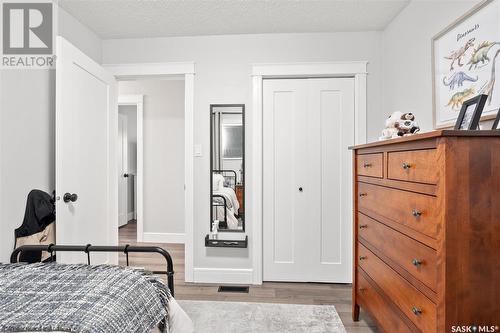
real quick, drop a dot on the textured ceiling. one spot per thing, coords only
(158, 18)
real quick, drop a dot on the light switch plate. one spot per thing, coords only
(197, 151)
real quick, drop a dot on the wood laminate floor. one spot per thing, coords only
(338, 295)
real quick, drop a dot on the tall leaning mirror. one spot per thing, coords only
(227, 168)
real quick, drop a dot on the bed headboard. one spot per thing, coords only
(126, 249)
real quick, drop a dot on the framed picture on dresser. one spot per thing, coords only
(497, 121)
(470, 113)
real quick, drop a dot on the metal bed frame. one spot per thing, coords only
(216, 204)
(126, 249)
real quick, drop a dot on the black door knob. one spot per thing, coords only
(125, 175)
(70, 197)
(300, 189)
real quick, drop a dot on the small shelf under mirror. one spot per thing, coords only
(235, 243)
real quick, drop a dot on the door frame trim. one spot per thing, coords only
(138, 102)
(353, 69)
(187, 70)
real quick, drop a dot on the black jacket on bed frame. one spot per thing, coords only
(40, 212)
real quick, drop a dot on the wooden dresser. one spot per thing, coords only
(427, 231)
(240, 189)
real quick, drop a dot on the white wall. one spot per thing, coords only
(163, 152)
(27, 102)
(26, 145)
(223, 68)
(406, 54)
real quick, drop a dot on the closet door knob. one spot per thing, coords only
(301, 189)
(125, 175)
(70, 197)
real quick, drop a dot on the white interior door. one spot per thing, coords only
(122, 170)
(86, 132)
(308, 125)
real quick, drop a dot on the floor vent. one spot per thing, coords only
(233, 289)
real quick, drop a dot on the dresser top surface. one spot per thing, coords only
(430, 135)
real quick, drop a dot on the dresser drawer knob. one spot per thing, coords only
(362, 290)
(363, 257)
(406, 166)
(367, 165)
(416, 213)
(416, 262)
(363, 226)
(363, 194)
(416, 311)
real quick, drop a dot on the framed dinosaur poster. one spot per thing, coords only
(465, 63)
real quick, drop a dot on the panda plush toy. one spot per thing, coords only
(407, 125)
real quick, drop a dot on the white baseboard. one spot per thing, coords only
(223, 275)
(163, 237)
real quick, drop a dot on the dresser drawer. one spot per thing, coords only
(416, 211)
(370, 165)
(370, 299)
(416, 258)
(418, 166)
(418, 308)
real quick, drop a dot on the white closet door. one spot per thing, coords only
(308, 125)
(331, 104)
(285, 216)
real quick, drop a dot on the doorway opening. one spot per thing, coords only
(151, 159)
(130, 176)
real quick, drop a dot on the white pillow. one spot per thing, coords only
(217, 182)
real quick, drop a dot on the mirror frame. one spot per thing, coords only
(242, 106)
